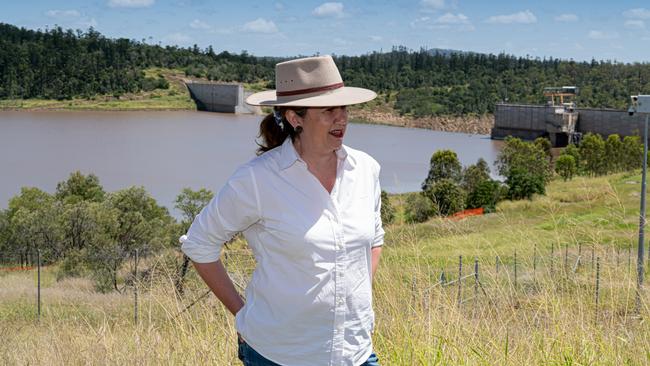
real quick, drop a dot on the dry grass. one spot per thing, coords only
(546, 315)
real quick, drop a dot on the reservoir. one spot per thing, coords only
(167, 151)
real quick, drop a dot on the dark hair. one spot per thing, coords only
(272, 134)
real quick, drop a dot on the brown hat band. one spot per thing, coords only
(310, 90)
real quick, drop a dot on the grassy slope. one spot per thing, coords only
(544, 316)
(174, 98)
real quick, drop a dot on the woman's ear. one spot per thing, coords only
(293, 118)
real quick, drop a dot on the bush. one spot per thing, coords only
(418, 208)
(632, 153)
(447, 197)
(387, 209)
(486, 195)
(518, 154)
(566, 166)
(73, 265)
(444, 164)
(523, 184)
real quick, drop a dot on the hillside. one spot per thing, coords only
(555, 285)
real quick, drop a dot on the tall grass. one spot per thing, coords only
(545, 316)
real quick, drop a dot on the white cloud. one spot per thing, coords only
(329, 10)
(197, 24)
(376, 38)
(450, 18)
(178, 39)
(418, 21)
(566, 18)
(432, 4)
(260, 25)
(130, 3)
(340, 42)
(279, 6)
(638, 13)
(62, 13)
(601, 35)
(635, 24)
(522, 17)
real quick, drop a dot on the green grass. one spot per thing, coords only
(546, 315)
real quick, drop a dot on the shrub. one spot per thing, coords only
(613, 153)
(486, 195)
(573, 150)
(447, 197)
(632, 153)
(387, 209)
(566, 166)
(523, 184)
(418, 208)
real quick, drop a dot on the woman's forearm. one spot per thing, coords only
(376, 252)
(215, 276)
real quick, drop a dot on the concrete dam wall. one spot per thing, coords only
(532, 121)
(224, 98)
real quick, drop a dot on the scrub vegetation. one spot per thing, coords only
(543, 312)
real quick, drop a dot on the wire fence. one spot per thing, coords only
(473, 281)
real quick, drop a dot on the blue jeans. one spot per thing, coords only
(250, 357)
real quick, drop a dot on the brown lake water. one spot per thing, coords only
(166, 151)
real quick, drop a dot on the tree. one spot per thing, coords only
(545, 145)
(632, 153)
(573, 151)
(387, 209)
(447, 197)
(566, 166)
(473, 175)
(418, 208)
(444, 164)
(79, 187)
(191, 202)
(33, 218)
(613, 153)
(518, 154)
(524, 184)
(486, 194)
(592, 153)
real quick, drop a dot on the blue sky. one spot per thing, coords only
(581, 30)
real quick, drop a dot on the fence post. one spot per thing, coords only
(135, 289)
(460, 275)
(515, 268)
(475, 279)
(552, 257)
(597, 286)
(38, 253)
(579, 255)
(535, 260)
(592, 255)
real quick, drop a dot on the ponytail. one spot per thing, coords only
(273, 133)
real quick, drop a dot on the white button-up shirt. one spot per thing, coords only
(309, 301)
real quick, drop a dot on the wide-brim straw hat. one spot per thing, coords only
(310, 82)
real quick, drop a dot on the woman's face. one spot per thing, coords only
(324, 128)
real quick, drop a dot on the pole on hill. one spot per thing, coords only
(641, 104)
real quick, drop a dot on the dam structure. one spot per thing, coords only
(562, 124)
(223, 98)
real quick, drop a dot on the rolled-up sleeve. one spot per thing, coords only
(379, 229)
(232, 210)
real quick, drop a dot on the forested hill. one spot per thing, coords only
(62, 64)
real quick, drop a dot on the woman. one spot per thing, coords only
(309, 208)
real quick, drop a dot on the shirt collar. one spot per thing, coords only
(289, 155)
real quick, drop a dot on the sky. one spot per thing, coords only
(578, 29)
